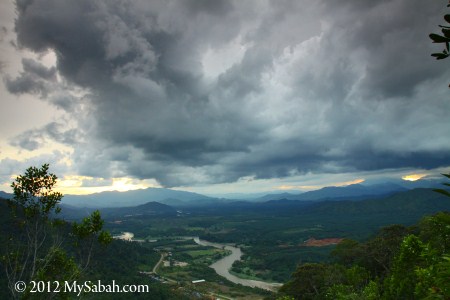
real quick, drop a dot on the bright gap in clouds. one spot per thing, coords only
(413, 177)
(84, 185)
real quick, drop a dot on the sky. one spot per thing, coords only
(222, 96)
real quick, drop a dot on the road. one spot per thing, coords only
(163, 255)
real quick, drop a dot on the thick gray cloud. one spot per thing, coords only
(194, 92)
(34, 79)
(25, 84)
(35, 138)
(41, 81)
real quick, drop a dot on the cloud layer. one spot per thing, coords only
(197, 92)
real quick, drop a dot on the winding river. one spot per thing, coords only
(223, 266)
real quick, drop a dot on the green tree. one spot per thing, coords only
(435, 230)
(404, 280)
(33, 205)
(443, 38)
(311, 280)
(35, 248)
(434, 277)
(379, 252)
(442, 191)
(440, 284)
(307, 282)
(87, 234)
(348, 252)
(375, 255)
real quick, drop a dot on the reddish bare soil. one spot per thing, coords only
(312, 242)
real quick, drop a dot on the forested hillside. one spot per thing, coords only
(398, 263)
(120, 261)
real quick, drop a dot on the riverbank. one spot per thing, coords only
(223, 266)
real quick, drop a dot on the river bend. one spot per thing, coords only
(223, 266)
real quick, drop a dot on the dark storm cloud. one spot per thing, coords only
(25, 84)
(35, 138)
(33, 67)
(323, 87)
(218, 8)
(390, 32)
(34, 79)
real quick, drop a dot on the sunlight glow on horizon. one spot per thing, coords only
(84, 185)
(413, 177)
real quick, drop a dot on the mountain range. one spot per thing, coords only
(342, 192)
(135, 197)
(182, 198)
(178, 198)
(147, 209)
(5, 195)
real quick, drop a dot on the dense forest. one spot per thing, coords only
(398, 263)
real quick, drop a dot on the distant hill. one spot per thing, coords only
(147, 209)
(136, 197)
(340, 193)
(250, 196)
(425, 183)
(413, 203)
(5, 195)
(422, 201)
(280, 196)
(69, 212)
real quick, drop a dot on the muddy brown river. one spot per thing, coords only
(223, 266)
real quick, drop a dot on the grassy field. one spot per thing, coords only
(201, 253)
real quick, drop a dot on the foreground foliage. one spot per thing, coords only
(443, 38)
(398, 263)
(35, 248)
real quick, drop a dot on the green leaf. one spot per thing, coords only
(438, 38)
(439, 55)
(447, 18)
(446, 175)
(443, 192)
(446, 32)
